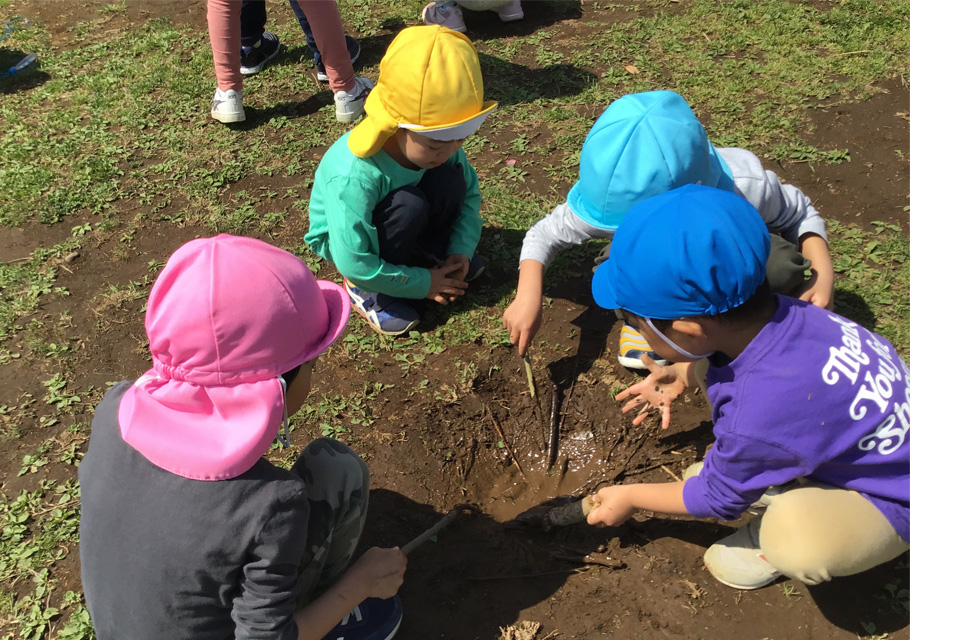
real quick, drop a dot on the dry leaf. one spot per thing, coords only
(632, 69)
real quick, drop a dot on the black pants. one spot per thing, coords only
(253, 19)
(421, 216)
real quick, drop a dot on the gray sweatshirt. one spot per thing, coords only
(169, 558)
(785, 209)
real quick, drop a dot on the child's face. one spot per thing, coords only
(424, 152)
(300, 387)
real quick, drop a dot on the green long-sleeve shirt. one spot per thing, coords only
(345, 191)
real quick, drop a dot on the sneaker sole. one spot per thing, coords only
(633, 363)
(349, 117)
(228, 118)
(513, 17)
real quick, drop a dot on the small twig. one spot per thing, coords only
(503, 439)
(671, 473)
(429, 533)
(531, 382)
(529, 575)
(553, 436)
(16, 260)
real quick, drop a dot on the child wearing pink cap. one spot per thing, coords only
(186, 530)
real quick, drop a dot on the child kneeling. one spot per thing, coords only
(186, 531)
(395, 203)
(811, 411)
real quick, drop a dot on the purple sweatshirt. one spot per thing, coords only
(813, 395)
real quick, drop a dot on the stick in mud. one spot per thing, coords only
(429, 533)
(531, 382)
(503, 438)
(553, 435)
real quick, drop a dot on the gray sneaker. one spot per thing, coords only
(350, 103)
(737, 560)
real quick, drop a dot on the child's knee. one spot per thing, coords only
(786, 267)
(815, 533)
(331, 469)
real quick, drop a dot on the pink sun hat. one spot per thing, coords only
(225, 318)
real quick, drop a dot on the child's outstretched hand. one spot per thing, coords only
(612, 506)
(381, 571)
(445, 283)
(661, 387)
(522, 320)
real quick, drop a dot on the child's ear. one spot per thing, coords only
(691, 328)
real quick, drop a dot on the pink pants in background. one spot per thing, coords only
(223, 23)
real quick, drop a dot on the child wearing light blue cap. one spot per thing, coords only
(811, 412)
(645, 144)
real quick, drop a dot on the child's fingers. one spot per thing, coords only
(626, 393)
(665, 409)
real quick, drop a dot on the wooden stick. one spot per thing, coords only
(506, 445)
(672, 474)
(429, 533)
(531, 382)
(553, 435)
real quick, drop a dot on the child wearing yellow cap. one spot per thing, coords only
(395, 203)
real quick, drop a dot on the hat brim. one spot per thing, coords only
(368, 137)
(602, 286)
(338, 314)
(455, 130)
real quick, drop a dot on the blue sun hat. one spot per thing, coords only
(642, 145)
(691, 251)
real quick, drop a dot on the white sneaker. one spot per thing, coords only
(447, 15)
(228, 106)
(350, 103)
(737, 560)
(510, 12)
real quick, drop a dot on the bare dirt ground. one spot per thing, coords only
(431, 450)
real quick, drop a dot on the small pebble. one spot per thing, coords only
(70, 257)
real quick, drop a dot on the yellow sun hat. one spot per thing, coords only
(429, 83)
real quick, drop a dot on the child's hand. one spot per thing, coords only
(612, 506)
(661, 387)
(380, 571)
(444, 286)
(819, 290)
(522, 320)
(460, 260)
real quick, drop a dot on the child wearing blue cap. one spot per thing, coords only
(645, 144)
(811, 411)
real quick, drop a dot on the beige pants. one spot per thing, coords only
(816, 532)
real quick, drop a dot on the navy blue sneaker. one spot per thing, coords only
(353, 48)
(386, 314)
(476, 268)
(253, 59)
(372, 619)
